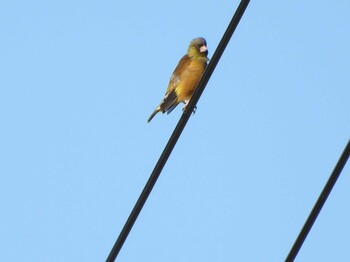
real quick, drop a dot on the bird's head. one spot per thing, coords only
(198, 47)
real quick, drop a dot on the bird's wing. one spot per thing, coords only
(170, 100)
(176, 76)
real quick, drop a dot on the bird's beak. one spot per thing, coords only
(203, 49)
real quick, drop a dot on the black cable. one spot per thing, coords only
(319, 204)
(177, 131)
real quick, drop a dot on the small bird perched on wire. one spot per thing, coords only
(185, 77)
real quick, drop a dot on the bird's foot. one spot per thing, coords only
(185, 107)
(194, 110)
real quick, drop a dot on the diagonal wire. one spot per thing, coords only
(177, 131)
(319, 204)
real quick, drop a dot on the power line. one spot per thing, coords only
(319, 204)
(177, 131)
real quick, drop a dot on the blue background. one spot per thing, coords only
(78, 82)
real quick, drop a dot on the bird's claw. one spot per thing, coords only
(185, 107)
(194, 110)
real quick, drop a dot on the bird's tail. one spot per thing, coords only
(169, 102)
(153, 114)
(167, 105)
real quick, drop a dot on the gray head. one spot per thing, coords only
(199, 46)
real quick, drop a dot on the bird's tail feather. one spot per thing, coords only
(153, 114)
(169, 102)
(171, 108)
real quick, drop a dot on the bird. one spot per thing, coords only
(185, 77)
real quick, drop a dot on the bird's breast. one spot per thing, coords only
(189, 80)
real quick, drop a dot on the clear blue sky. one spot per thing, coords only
(78, 82)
